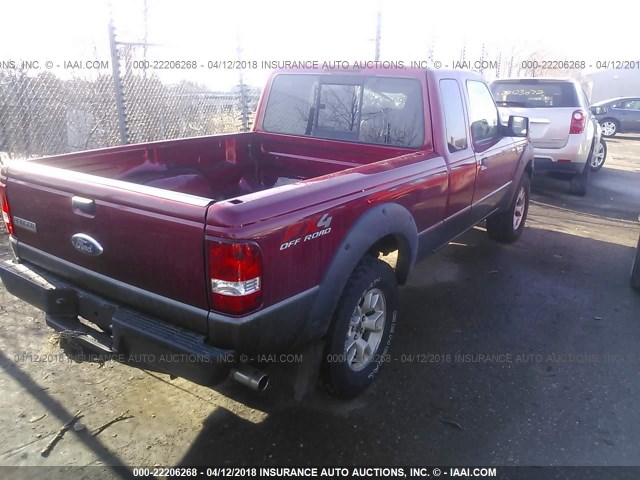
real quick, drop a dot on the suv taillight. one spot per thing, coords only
(6, 216)
(578, 120)
(235, 272)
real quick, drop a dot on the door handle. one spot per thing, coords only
(484, 163)
(84, 205)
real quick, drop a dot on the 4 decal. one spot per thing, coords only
(307, 230)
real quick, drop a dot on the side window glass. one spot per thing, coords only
(483, 114)
(456, 129)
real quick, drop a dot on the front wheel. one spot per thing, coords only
(599, 156)
(362, 328)
(507, 226)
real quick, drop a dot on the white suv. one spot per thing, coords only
(564, 133)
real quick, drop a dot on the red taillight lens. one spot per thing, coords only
(578, 120)
(6, 216)
(235, 270)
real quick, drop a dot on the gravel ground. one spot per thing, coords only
(524, 354)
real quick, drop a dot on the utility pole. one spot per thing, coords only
(378, 30)
(430, 51)
(117, 84)
(117, 70)
(146, 38)
(244, 101)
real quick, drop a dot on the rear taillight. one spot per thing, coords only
(578, 120)
(6, 215)
(235, 271)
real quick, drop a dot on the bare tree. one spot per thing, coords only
(342, 107)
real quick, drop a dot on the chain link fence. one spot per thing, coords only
(43, 114)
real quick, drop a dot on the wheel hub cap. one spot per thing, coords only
(598, 158)
(366, 329)
(608, 128)
(518, 211)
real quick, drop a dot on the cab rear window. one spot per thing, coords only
(534, 94)
(380, 110)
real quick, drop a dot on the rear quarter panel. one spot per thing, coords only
(276, 218)
(296, 257)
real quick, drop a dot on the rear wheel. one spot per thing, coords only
(599, 156)
(507, 226)
(580, 181)
(609, 127)
(362, 328)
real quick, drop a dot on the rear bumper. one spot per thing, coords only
(282, 327)
(122, 333)
(277, 328)
(545, 165)
(569, 159)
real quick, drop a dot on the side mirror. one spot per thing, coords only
(598, 110)
(518, 126)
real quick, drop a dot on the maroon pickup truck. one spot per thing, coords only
(201, 254)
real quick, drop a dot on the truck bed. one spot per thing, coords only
(159, 200)
(222, 167)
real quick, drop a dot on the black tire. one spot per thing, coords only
(635, 269)
(580, 182)
(614, 125)
(501, 226)
(598, 162)
(342, 375)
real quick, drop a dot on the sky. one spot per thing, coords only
(199, 30)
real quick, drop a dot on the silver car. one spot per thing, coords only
(564, 133)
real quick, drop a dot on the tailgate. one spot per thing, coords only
(144, 237)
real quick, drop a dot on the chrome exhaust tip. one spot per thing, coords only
(251, 377)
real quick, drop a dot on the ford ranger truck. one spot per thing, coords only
(198, 254)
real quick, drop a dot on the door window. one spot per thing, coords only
(483, 114)
(456, 128)
(627, 105)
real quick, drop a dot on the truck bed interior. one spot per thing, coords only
(224, 166)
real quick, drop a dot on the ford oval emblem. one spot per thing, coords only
(87, 245)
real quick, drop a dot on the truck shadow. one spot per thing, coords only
(501, 356)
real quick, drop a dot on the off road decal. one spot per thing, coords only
(307, 230)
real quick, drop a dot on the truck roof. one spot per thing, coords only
(385, 72)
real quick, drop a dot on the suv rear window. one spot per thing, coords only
(534, 94)
(381, 110)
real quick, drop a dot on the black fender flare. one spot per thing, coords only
(525, 164)
(379, 222)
